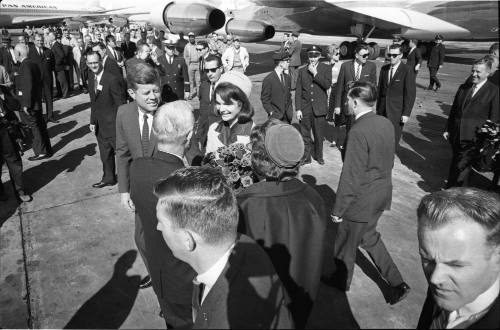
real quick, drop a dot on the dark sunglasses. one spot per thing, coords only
(313, 55)
(365, 55)
(199, 49)
(393, 55)
(214, 70)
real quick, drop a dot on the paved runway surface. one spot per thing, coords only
(68, 258)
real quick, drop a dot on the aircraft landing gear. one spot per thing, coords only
(347, 48)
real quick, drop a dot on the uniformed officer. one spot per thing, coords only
(175, 81)
(311, 104)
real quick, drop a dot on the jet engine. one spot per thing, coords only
(250, 31)
(188, 17)
(73, 23)
(118, 21)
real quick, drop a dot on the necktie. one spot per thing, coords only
(358, 72)
(196, 299)
(145, 136)
(391, 73)
(114, 54)
(96, 82)
(440, 320)
(39, 51)
(468, 97)
(212, 96)
(282, 78)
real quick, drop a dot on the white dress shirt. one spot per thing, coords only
(362, 114)
(478, 86)
(141, 120)
(394, 69)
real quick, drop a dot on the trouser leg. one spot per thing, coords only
(293, 76)
(140, 241)
(47, 96)
(61, 79)
(107, 153)
(318, 127)
(11, 157)
(305, 130)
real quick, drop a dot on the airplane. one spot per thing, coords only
(258, 20)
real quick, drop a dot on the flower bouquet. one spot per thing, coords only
(235, 163)
(484, 152)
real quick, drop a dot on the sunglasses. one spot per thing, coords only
(199, 49)
(313, 55)
(214, 70)
(393, 55)
(365, 55)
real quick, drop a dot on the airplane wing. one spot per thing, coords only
(411, 22)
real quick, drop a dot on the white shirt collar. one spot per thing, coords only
(478, 86)
(99, 76)
(362, 114)
(209, 277)
(395, 67)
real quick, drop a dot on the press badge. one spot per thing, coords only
(20, 93)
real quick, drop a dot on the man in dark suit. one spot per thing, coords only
(171, 277)
(473, 105)
(275, 95)
(358, 69)
(109, 64)
(493, 52)
(113, 52)
(128, 47)
(28, 84)
(144, 88)
(396, 91)
(106, 95)
(236, 284)
(365, 191)
(414, 57)
(294, 49)
(60, 64)
(459, 245)
(175, 81)
(44, 58)
(435, 62)
(311, 103)
(203, 52)
(7, 57)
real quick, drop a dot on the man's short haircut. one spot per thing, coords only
(490, 59)
(493, 48)
(262, 164)
(38, 35)
(333, 48)
(100, 44)
(202, 43)
(486, 61)
(211, 58)
(200, 199)
(109, 38)
(91, 53)
(173, 122)
(415, 41)
(364, 91)
(360, 47)
(228, 93)
(440, 208)
(395, 46)
(142, 74)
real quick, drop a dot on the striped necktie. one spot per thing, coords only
(145, 136)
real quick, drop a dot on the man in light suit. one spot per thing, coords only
(396, 91)
(365, 191)
(236, 284)
(414, 57)
(106, 95)
(358, 69)
(473, 105)
(311, 104)
(276, 96)
(235, 57)
(134, 137)
(171, 277)
(294, 49)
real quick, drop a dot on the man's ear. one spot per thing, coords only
(131, 92)
(189, 241)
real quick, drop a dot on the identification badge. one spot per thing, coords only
(99, 87)
(20, 93)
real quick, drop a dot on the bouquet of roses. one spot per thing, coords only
(484, 152)
(235, 163)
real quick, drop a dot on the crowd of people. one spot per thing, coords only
(253, 259)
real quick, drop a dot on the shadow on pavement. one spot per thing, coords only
(111, 305)
(37, 177)
(55, 130)
(74, 135)
(76, 109)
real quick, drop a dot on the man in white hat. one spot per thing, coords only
(193, 63)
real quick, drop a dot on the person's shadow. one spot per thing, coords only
(61, 128)
(111, 305)
(76, 109)
(71, 136)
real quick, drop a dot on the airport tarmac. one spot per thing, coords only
(68, 258)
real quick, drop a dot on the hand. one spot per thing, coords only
(312, 69)
(92, 128)
(127, 202)
(299, 115)
(404, 119)
(25, 110)
(337, 111)
(336, 219)
(417, 67)
(186, 95)
(446, 136)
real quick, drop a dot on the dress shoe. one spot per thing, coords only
(145, 283)
(103, 184)
(23, 197)
(436, 88)
(306, 161)
(333, 144)
(398, 293)
(321, 161)
(429, 88)
(160, 314)
(52, 120)
(38, 157)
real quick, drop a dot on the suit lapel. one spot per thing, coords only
(353, 73)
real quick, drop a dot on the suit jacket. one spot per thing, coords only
(491, 320)
(288, 219)
(365, 185)
(413, 58)
(7, 62)
(311, 92)
(172, 278)
(436, 57)
(45, 62)
(207, 106)
(28, 84)
(347, 74)
(104, 102)
(4, 76)
(466, 117)
(396, 98)
(128, 142)
(112, 56)
(175, 75)
(276, 96)
(113, 68)
(294, 50)
(128, 49)
(247, 295)
(60, 59)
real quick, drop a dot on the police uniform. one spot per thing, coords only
(175, 80)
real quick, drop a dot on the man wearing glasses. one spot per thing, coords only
(313, 81)
(357, 69)
(203, 52)
(396, 91)
(175, 80)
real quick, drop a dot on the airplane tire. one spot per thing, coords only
(346, 50)
(374, 50)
